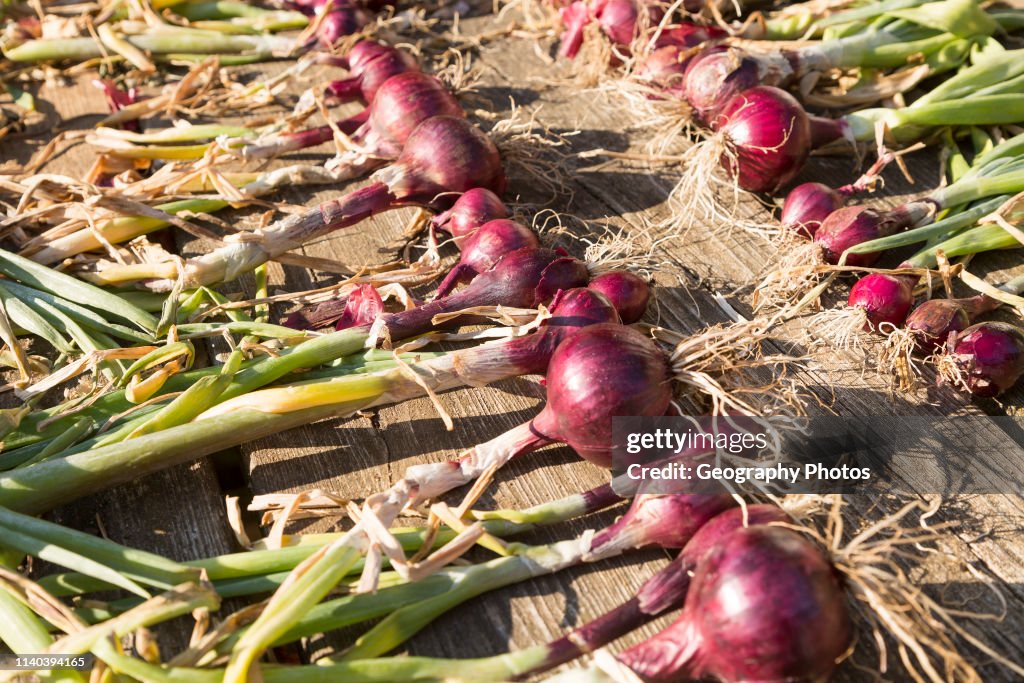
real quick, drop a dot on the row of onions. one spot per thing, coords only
(762, 595)
(748, 91)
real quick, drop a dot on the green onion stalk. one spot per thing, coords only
(805, 20)
(164, 40)
(166, 143)
(658, 521)
(248, 416)
(443, 157)
(123, 420)
(24, 632)
(523, 278)
(228, 16)
(126, 228)
(263, 570)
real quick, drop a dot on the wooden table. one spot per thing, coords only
(181, 512)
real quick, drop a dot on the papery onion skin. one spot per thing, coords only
(989, 357)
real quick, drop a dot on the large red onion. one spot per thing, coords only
(885, 299)
(586, 389)
(401, 104)
(767, 134)
(765, 605)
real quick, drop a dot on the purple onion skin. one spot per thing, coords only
(807, 205)
(341, 22)
(571, 310)
(401, 104)
(764, 605)
(628, 292)
(714, 77)
(769, 136)
(373, 67)
(934, 320)
(852, 225)
(470, 211)
(886, 299)
(617, 19)
(485, 247)
(665, 68)
(688, 35)
(586, 390)
(362, 307)
(575, 18)
(524, 278)
(665, 521)
(991, 357)
(443, 157)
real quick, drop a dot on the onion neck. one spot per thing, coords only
(330, 216)
(670, 655)
(825, 131)
(978, 305)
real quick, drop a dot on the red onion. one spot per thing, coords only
(885, 299)
(470, 211)
(853, 225)
(586, 389)
(932, 322)
(401, 104)
(664, 68)
(628, 292)
(341, 22)
(572, 310)
(768, 138)
(483, 248)
(809, 204)
(668, 521)
(714, 77)
(617, 19)
(764, 605)
(987, 358)
(370, 64)
(688, 34)
(575, 18)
